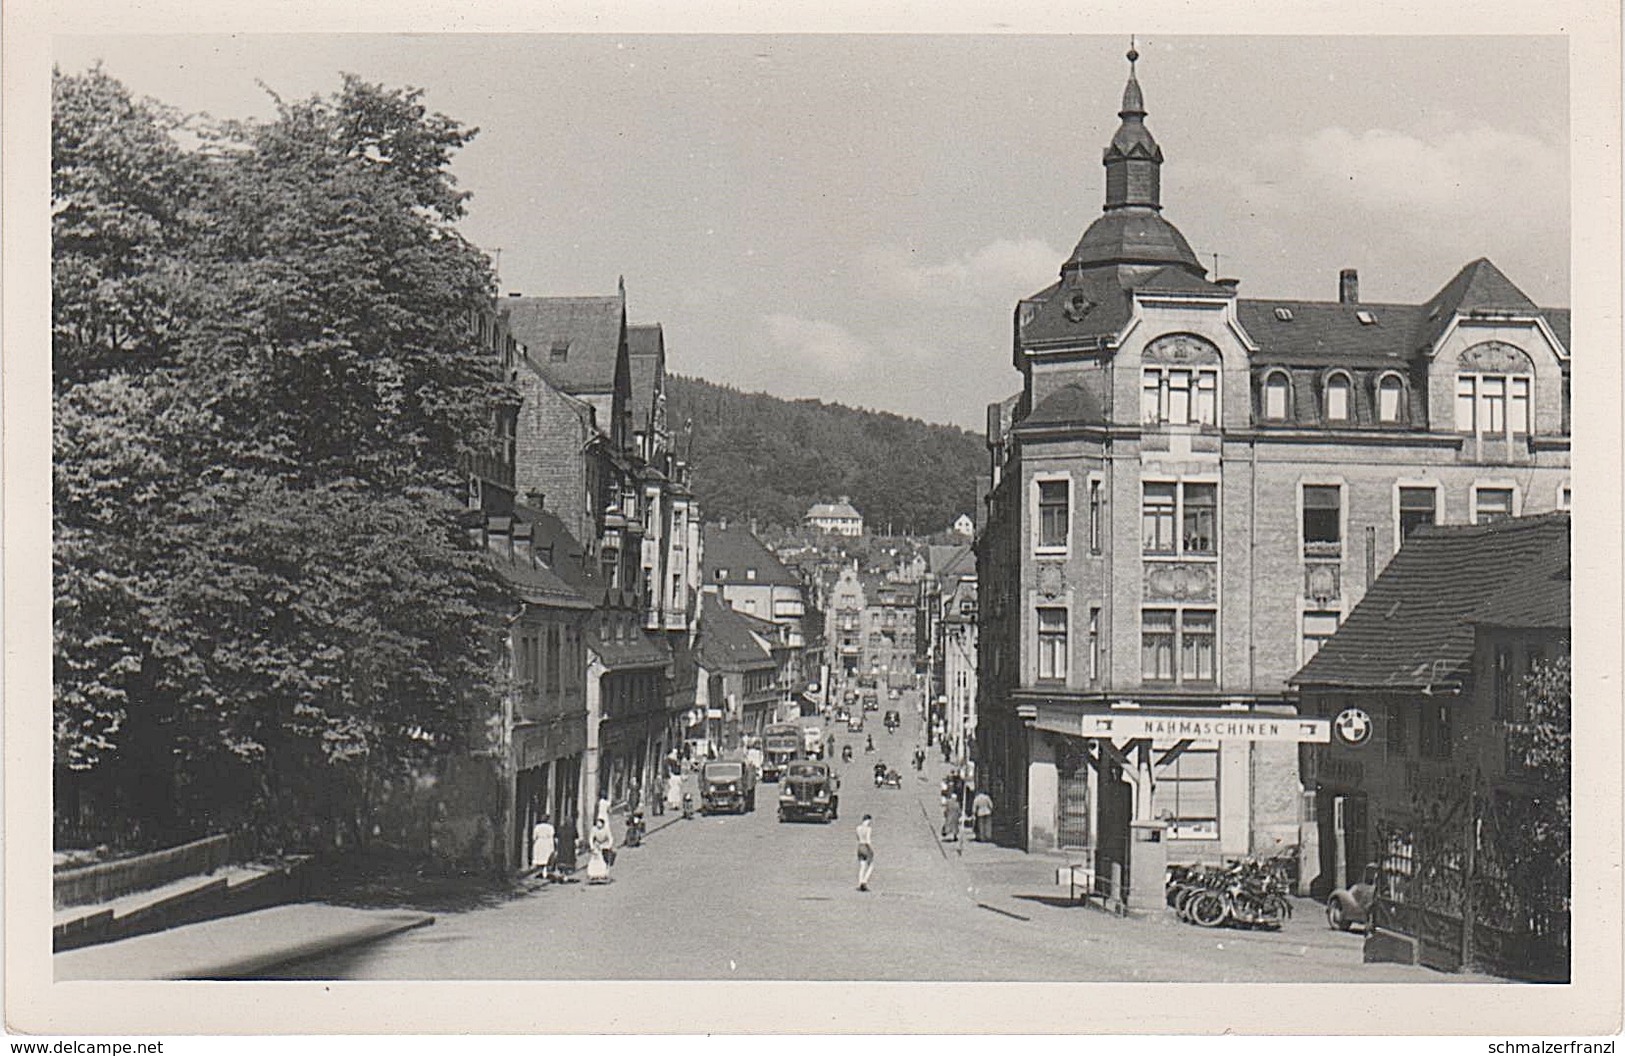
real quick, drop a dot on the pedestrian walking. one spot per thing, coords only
(866, 853)
(950, 813)
(600, 852)
(542, 849)
(603, 810)
(565, 843)
(982, 810)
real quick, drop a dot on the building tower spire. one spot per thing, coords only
(1133, 160)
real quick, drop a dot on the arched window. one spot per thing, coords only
(1338, 389)
(1277, 396)
(1390, 398)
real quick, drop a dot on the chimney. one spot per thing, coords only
(1348, 286)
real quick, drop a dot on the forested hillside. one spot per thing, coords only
(760, 456)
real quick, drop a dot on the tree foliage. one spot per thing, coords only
(756, 455)
(264, 380)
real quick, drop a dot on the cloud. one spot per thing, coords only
(827, 347)
(998, 272)
(1463, 173)
(1461, 170)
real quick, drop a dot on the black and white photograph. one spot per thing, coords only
(1053, 506)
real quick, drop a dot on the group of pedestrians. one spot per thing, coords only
(554, 848)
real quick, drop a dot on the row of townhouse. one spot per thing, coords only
(586, 510)
(946, 635)
(1189, 495)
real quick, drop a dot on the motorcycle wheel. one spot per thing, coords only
(1208, 910)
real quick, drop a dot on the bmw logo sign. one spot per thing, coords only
(1353, 726)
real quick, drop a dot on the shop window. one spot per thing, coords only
(1052, 643)
(1185, 792)
(1417, 506)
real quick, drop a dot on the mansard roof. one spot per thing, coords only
(1067, 405)
(1327, 333)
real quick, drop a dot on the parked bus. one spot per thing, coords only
(781, 742)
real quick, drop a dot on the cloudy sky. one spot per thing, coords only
(853, 217)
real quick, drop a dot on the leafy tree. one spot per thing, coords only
(264, 384)
(1541, 742)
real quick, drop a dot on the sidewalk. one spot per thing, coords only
(236, 947)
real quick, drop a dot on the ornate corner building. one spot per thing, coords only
(1190, 492)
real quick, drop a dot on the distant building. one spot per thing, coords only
(738, 676)
(837, 517)
(1420, 683)
(963, 525)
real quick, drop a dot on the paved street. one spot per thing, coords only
(747, 897)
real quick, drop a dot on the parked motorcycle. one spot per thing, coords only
(1248, 893)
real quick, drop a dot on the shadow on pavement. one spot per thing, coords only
(384, 881)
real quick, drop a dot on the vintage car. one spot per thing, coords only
(854, 722)
(727, 784)
(1348, 906)
(809, 789)
(893, 720)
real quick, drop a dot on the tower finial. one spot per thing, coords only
(1133, 55)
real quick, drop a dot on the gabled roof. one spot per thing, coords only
(726, 642)
(1413, 629)
(735, 550)
(1536, 596)
(574, 341)
(646, 345)
(1478, 285)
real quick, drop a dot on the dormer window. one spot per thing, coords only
(1283, 314)
(559, 353)
(1366, 318)
(1277, 396)
(1390, 398)
(1337, 398)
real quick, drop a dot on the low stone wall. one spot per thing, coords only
(108, 880)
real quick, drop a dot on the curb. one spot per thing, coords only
(246, 967)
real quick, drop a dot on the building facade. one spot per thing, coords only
(1426, 777)
(838, 518)
(1190, 492)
